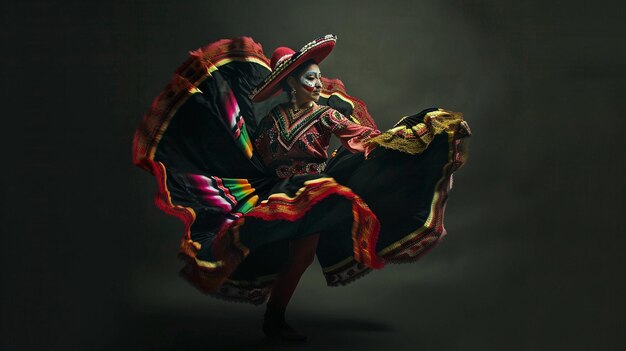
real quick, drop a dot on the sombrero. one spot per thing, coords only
(284, 60)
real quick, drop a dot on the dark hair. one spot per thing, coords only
(295, 73)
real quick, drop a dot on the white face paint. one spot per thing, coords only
(310, 78)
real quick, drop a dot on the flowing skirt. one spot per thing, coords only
(239, 216)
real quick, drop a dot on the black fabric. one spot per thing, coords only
(198, 142)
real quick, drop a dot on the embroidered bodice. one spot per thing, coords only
(301, 139)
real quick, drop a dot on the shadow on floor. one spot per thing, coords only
(242, 331)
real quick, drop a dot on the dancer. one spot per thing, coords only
(238, 144)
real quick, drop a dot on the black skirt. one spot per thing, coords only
(239, 216)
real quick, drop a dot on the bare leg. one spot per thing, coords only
(301, 255)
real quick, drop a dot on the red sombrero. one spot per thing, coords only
(285, 60)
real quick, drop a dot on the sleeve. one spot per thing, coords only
(353, 137)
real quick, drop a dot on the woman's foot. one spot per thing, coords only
(274, 325)
(285, 332)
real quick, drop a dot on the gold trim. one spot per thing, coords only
(217, 64)
(414, 140)
(164, 108)
(190, 210)
(283, 196)
(341, 95)
(190, 90)
(339, 265)
(208, 264)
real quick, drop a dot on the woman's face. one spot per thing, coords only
(308, 85)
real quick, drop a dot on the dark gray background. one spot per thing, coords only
(533, 260)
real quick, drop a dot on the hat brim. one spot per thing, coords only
(316, 50)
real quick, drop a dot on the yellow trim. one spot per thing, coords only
(283, 196)
(338, 265)
(345, 98)
(207, 264)
(227, 60)
(169, 197)
(190, 90)
(414, 140)
(190, 211)
(179, 82)
(340, 95)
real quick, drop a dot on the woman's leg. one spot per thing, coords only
(301, 255)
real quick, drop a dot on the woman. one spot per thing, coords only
(239, 150)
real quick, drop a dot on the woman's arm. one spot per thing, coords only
(353, 137)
